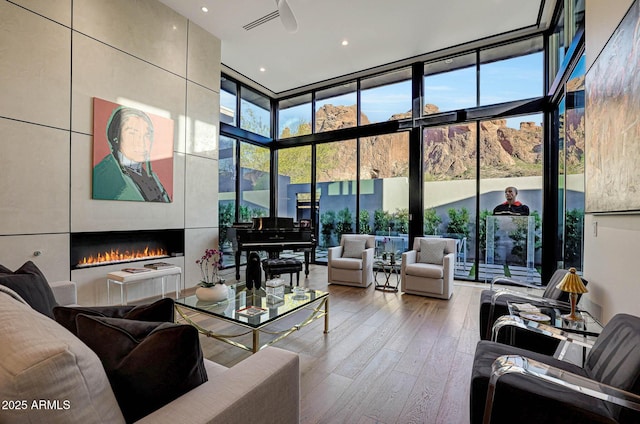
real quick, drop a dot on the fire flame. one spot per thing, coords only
(114, 256)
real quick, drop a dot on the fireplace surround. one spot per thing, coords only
(92, 249)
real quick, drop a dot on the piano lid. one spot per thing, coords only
(272, 223)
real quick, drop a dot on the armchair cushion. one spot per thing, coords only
(432, 251)
(148, 364)
(162, 310)
(347, 263)
(29, 282)
(353, 248)
(425, 270)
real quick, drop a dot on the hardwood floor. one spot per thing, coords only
(388, 357)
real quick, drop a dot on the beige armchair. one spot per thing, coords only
(427, 270)
(351, 263)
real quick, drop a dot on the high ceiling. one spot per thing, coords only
(379, 32)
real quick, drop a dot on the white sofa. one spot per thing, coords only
(41, 360)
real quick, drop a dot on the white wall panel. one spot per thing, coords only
(201, 199)
(34, 179)
(202, 124)
(34, 67)
(101, 71)
(203, 59)
(58, 10)
(146, 29)
(50, 253)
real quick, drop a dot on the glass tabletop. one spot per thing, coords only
(553, 316)
(250, 307)
(380, 262)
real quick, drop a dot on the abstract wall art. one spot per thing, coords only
(612, 170)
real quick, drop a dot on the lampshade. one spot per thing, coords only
(572, 283)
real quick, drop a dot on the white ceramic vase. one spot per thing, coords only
(217, 293)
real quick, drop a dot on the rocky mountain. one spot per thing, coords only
(449, 151)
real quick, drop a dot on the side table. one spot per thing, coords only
(123, 279)
(389, 269)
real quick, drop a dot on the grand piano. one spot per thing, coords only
(271, 235)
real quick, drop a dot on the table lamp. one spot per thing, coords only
(572, 284)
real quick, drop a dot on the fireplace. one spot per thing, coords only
(115, 247)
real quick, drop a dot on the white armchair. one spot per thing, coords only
(351, 263)
(427, 270)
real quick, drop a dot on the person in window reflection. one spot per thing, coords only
(511, 206)
(126, 173)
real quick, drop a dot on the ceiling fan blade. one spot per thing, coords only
(286, 16)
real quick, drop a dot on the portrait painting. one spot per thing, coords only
(612, 175)
(132, 154)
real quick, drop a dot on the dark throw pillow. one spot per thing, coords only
(158, 311)
(29, 282)
(148, 364)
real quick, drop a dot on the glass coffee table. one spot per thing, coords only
(249, 309)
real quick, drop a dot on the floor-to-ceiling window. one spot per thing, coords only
(384, 190)
(566, 85)
(511, 155)
(294, 183)
(571, 167)
(449, 163)
(254, 182)
(336, 190)
(227, 161)
(467, 119)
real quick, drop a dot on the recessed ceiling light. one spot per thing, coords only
(262, 69)
(205, 9)
(345, 42)
(448, 61)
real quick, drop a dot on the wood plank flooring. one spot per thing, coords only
(388, 357)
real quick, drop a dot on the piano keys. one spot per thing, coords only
(271, 235)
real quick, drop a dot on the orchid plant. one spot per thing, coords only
(210, 264)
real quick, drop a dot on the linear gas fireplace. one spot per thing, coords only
(114, 247)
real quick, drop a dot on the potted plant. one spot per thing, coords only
(211, 287)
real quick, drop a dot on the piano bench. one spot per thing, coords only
(278, 266)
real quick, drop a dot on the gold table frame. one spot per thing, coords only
(317, 312)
